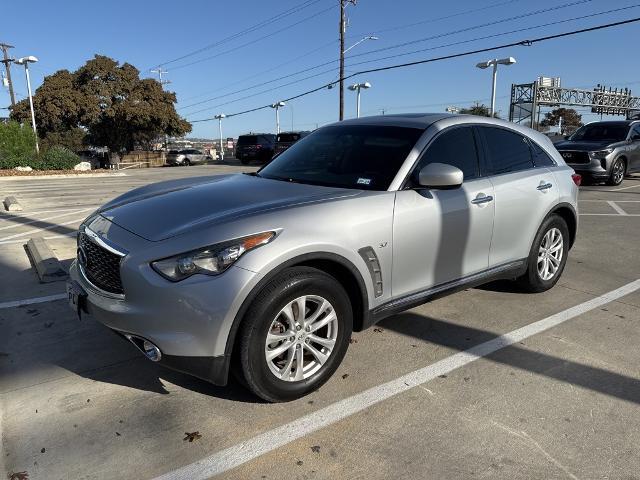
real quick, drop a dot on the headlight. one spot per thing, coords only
(601, 153)
(211, 260)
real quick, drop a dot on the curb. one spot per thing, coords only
(11, 205)
(45, 261)
(63, 175)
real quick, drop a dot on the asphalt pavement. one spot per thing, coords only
(487, 383)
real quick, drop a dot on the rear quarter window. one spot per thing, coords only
(540, 157)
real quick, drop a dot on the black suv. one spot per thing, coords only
(604, 151)
(255, 146)
(285, 139)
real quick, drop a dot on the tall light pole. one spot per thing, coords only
(343, 52)
(220, 117)
(277, 106)
(357, 87)
(494, 63)
(7, 65)
(25, 61)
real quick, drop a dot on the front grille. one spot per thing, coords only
(101, 267)
(575, 157)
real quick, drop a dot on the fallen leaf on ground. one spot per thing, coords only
(378, 330)
(18, 476)
(315, 449)
(190, 437)
(345, 376)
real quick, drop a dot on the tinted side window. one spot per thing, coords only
(507, 151)
(455, 147)
(540, 157)
(636, 131)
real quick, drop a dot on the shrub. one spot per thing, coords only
(57, 158)
(17, 145)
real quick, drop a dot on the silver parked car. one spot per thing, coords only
(270, 272)
(604, 151)
(189, 156)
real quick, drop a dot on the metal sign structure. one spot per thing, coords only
(528, 98)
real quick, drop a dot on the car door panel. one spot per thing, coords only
(440, 235)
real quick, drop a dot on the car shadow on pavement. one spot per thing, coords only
(461, 337)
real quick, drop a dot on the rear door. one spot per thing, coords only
(440, 235)
(634, 154)
(523, 193)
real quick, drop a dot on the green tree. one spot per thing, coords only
(570, 118)
(103, 103)
(480, 110)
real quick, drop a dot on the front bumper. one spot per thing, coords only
(597, 168)
(188, 321)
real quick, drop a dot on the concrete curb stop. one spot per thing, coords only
(11, 204)
(45, 261)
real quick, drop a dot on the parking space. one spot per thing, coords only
(487, 383)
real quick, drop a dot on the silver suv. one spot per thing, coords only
(604, 151)
(270, 272)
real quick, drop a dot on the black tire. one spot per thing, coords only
(186, 162)
(252, 364)
(245, 161)
(616, 176)
(532, 281)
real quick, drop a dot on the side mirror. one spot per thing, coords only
(440, 175)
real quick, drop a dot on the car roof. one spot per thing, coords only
(411, 120)
(612, 122)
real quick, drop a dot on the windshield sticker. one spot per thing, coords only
(364, 181)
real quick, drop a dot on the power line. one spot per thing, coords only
(528, 42)
(379, 59)
(257, 26)
(445, 34)
(259, 74)
(259, 39)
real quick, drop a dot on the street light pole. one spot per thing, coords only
(494, 63)
(357, 87)
(277, 106)
(7, 65)
(25, 61)
(220, 117)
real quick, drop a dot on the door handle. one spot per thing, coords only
(544, 186)
(480, 199)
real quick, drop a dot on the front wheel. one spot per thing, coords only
(295, 334)
(618, 170)
(547, 257)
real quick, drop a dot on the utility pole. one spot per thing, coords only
(342, 32)
(162, 82)
(7, 65)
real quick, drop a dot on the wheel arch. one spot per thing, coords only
(333, 264)
(567, 212)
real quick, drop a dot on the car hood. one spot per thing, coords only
(582, 146)
(163, 210)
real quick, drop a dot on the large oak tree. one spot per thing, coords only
(105, 104)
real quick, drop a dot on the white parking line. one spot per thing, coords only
(617, 207)
(30, 222)
(271, 440)
(609, 215)
(35, 230)
(50, 237)
(623, 188)
(30, 301)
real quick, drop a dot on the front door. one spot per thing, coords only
(440, 235)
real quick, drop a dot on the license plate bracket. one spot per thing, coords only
(77, 298)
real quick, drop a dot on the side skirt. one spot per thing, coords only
(506, 271)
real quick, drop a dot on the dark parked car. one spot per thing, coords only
(255, 146)
(604, 151)
(285, 139)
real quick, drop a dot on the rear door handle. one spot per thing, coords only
(481, 198)
(544, 186)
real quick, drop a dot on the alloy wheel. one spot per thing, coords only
(301, 338)
(618, 171)
(550, 254)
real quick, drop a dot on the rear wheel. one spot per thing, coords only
(186, 162)
(294, 335)
(547, 257)
(618, 171)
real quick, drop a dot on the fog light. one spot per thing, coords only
(151, 351)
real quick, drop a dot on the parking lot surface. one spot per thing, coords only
(487, 383)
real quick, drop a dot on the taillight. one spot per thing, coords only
(577, 178)
(258, 146)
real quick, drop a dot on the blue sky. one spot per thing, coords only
(66, 34)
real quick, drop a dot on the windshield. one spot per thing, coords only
(601, 132)
(248, 140)
(349, 156)
(288, 137)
